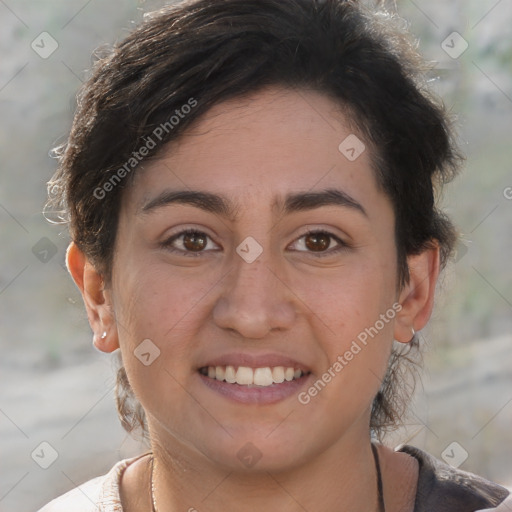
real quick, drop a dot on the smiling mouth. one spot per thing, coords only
(252, 377)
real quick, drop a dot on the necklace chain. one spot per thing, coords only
(382, 506)
(153, 500)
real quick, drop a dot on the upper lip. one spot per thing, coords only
(255, 361)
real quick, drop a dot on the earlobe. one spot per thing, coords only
(106, 342)
(417, 296)
(97, 300)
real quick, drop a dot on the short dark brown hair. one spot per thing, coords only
(202, 52)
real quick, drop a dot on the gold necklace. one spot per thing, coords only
(153, 500)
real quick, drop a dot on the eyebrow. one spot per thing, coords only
(221, 205)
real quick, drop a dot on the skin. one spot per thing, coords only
(289, 301)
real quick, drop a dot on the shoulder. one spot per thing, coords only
(444, 488)
(101, 494)
(80, 499)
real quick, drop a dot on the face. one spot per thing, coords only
(287, 260)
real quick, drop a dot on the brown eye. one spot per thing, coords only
(317, 241)
(194, 241)
(320, 243)
(190, 243)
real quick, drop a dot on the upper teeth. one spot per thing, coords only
(247, 376)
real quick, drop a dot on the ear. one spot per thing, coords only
(97, 300)
(417, 296)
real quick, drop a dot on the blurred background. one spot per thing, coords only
(56, 388)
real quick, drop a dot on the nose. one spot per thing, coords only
(254, 300)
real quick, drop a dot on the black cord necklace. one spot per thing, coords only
(382, 507)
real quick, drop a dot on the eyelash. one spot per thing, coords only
(168, 243)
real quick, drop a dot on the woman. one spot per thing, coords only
(250, 186)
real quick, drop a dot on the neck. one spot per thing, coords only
(343, 476)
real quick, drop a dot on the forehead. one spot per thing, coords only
(262, 147)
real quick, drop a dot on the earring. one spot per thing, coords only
(413, 334)
(104, 335)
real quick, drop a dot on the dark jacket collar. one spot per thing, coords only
(442, 488)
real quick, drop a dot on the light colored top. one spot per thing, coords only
(102, 494)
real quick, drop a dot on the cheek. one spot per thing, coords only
(356, 341)
(156, 302)
(348, 300)
(158, 314)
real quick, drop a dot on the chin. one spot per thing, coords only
(251, 452)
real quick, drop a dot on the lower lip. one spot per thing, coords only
(256, 394)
